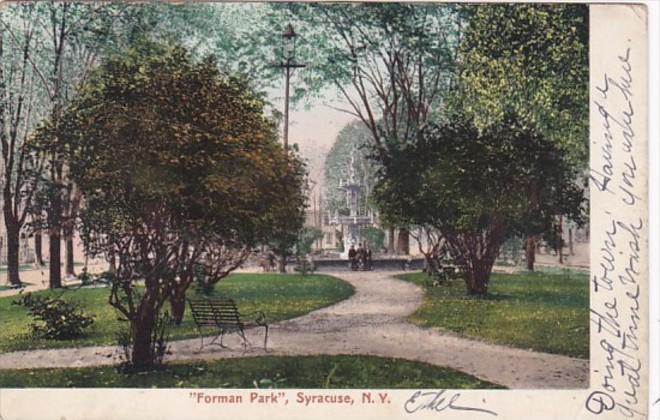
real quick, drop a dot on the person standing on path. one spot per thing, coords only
(351, 257)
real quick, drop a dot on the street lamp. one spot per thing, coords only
(289, 64)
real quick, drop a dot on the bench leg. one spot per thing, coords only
(222, 336)
(266, 338)
(213, 341)
(246, 343)
(201, 338)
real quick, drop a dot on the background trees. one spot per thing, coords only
(525, 66)
(48, 49)
(19, 109)
(285, 217)
(177, 166)
(355, 139)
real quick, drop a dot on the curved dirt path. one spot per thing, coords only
(369, 322)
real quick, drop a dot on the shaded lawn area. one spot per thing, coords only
(266, 372)
(280, 296)
(546, 312)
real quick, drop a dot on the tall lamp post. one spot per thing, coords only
(289, 64)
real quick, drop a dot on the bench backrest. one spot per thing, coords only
(221, 312)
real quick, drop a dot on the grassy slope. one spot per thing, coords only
(279, 296)
(546, 312)
(280, 372)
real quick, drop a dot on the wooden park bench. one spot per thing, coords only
(221, 314)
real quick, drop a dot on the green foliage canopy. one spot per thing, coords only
(531, 60)
(155, 132)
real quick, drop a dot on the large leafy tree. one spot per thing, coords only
(476, 188)
(178, 168)
(531, 60)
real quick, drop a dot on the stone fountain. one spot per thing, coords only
(355, 219)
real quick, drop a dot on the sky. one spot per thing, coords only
(314, 128)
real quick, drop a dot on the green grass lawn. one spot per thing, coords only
(8, 287)
(543, 311)
(280, 296)
(268, 371)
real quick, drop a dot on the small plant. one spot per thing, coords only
(303, 249)
(304, 265)
(55, 318)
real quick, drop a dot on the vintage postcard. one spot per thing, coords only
(312, 209)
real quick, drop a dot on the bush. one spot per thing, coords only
(55, 318)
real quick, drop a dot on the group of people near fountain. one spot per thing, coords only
(360, 258)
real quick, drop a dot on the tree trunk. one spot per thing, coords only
(477, 278)
(432, 268)
(530, 252)
(38, 255)
(69, 268)
(390, 242)
(54, 263)
(560, 239)
(13, 247)
(403, 242)
(478, 254)
(54, 241)
(281, 263)
(570, 241)
(178, 305)
(142, 328)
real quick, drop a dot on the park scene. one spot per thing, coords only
(294, 195)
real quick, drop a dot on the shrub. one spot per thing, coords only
(55, 318)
